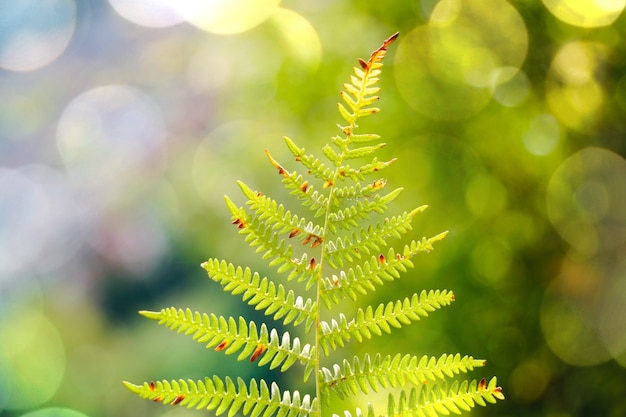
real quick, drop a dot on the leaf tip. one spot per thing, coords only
(152, 315)
(132, 387)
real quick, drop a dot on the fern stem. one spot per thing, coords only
(319, 289)
(361, 98)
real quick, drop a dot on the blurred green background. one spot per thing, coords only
(123, 123)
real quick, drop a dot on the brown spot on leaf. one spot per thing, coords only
(260, 349)
(240, 223)
(222, 346)
(378, 184)
(178, 399)
(318, 240)
(304, 186)
(381, 259)
(362, 63)
(482, 385)
(296, 231)
(282, 171)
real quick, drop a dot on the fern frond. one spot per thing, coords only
(346, 229)
(354, 153)
(355, 192)
(359, 93)
(272, 215)
(315, 201)
(393, 314)
(313, 164)
(377, 270)
(262, 293)
(270, 211)
(373, 167)
(361, 374)
(439, 400)
(350, 216)
(223, 396)
(230, 335)
(370, 239)
(260, 234)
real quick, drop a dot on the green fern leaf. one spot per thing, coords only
(350, 378)
(260, 234)
(370, 239)
(262, 293)
(273, 216)
(230, 335)
(381, 319)
(313, 164)
(222, 395)
(374, 167)
(358, 280)
(349, 217)
(439, 400)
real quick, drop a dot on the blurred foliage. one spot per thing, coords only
(120, 123)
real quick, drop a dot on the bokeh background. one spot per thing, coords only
(123, 123)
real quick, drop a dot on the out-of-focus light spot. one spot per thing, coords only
(485, 196)
(40, 222)
(429, 95)
(512, 92)
(449, 69)
(110, 135)
(612, 321)
(491, 261)
(585, 199)
(574, 95)
(33, 33)
(226, 16)
(236, 68)
(445, 12)
(586, 13)
(21, 202)
(32, 358)
(54, 412)
(463, 48)
(542, 136)
(300, 37)
(529, 380)
(212, 165)
(150, 13)
(583, 315)
(570, 331)
(133, 240)
(576, 62)
(112, 141)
